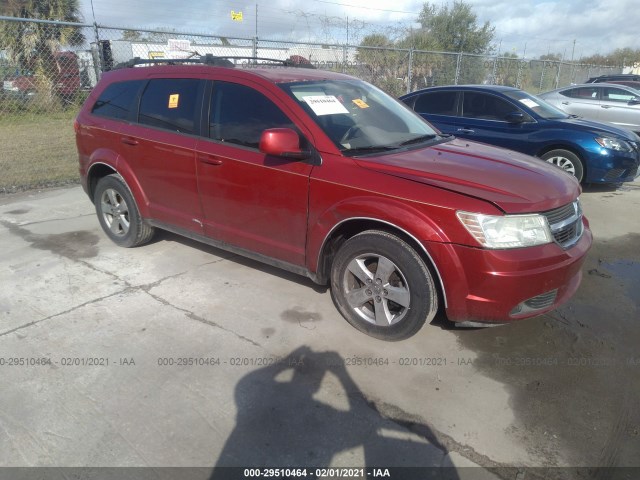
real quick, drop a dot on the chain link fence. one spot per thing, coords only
(48, 69)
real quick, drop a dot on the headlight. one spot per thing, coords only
(614, 144)
(508, 231)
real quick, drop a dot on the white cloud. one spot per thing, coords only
(597, 26)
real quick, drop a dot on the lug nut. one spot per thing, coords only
(378, 299)
(368, 292)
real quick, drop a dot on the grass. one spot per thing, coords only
(37, 150)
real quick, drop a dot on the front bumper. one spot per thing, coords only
(500, 286)
(610, 166)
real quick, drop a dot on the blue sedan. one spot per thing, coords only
(511, 118)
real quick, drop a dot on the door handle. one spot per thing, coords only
(209, 159)
(129, 141)
(465, 130)
(605, 106)
(565, 103)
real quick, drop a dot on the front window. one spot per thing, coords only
(358, 117)
(613, 94)
(239, 114)
(539, 106)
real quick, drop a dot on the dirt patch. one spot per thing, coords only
(574, 374)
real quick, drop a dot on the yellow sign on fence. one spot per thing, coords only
(237, 16)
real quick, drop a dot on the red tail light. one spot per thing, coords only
(76, 126)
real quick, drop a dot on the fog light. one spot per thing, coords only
(539, 302)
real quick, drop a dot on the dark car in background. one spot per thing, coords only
(604, 102)
(511, 118)
(615, 78)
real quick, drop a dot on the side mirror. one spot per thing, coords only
(282, 142)
(634, 101)
(515, 117)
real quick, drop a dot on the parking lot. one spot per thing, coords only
(180, 354)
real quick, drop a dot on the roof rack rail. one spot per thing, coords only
(216, 61)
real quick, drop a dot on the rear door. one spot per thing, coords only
(161, 149)
(582, 101)
(440, 108)
(249, 199)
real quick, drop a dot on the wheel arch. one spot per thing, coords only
(101, 168)
(349, 227)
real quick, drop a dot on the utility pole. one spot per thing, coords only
(256, 20)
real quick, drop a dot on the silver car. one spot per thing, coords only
(604, 102)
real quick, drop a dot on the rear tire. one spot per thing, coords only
(118, 213)
(382, 287)
(567, 161)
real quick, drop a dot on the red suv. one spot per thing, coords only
(325, 175)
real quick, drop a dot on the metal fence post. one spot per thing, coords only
(519, 75)
(255, 46)
(558, 75)
(410, 71)
(458, 62)
(98, 67)
(495, 71)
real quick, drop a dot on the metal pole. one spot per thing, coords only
(410, 72)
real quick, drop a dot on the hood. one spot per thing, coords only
(514, 182)
(598, 128)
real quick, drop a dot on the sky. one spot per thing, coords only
(525, 27)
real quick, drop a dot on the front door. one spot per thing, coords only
(249, 199)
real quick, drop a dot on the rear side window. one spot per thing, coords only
(240, 114)
(485, 107)
(437, 103)
(118, 100)
(585, 93)
(170, 104)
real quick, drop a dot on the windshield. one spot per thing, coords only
(536, 104)
(358, 117)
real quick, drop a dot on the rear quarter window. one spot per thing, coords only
(117, 101)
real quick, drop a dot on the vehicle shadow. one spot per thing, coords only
(306, 411)
(163, 235)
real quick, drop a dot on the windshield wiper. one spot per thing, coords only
(419, 139)
(370, 149)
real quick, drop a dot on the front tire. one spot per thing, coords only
(118, 213)
(382, 287)
(566, 160)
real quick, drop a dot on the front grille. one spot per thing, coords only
(560, 214)
(565, 224)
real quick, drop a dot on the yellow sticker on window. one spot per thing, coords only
(173, 100)
(360, 103)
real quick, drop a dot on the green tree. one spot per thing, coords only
(449, 29)
(382, 63)
(454, 29)
(32, 46)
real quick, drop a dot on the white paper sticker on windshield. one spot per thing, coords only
(325, 105)
(529, 103)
